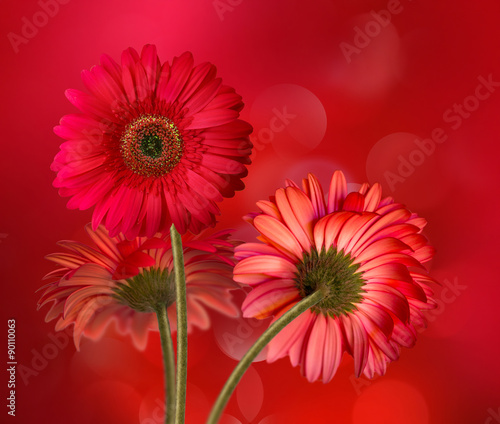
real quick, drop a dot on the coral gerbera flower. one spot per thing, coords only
(365, 255)
(155, 144)
(123, 281)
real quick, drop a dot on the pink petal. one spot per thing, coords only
(212, 118)
(388, 258)
(317, 196)
(313, 365)
(269, 208)
(338, 192)
(246, 250)
(354, 202)
(151, 63)
(377, 316)
(169, 89)
(333, 349)
(392, 301)
(334, 226)
(203, 96)
(279, 235)
(281, 343)
(397, 216)
(83, 295)
(354, 225)
(378, 336)
(274, 266)
(380, 247)
(373, 197)
(267, 298)
(357, 341)
(154, 210)
(291, 221)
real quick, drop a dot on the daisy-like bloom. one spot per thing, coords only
(364, 253)
(155, 144)
(123, 281)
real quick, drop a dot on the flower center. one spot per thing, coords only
(151, 145)
(335, 275)
(147, 291)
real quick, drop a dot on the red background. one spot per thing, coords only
(361, 113)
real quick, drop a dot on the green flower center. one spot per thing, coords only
(148, 291)
(334, 274)
(151, 145)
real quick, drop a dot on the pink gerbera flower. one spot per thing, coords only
(365, 255)
(126, 281)
(155, 144)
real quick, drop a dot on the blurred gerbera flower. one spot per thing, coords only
(123, 281)
(365, 255)
(155, 144)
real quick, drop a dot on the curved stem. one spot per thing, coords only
(168, 362)
(261, 342)
(180, 293)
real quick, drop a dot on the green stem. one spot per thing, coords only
(168, 362)
(262, 341)
(182, 340)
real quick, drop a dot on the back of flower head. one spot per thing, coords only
(362, 252)
(123, 281)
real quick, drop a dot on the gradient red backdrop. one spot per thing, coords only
(402, 92)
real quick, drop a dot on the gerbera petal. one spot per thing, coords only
(354, 202)
(338, 191)
(80, 295)
(380, 247)
(382, 227)
(357, 341)
(302, 234)
(252, 249)
(355, 224)
(303, 210)
(317, 196)
(169, 90)
(274, 266)
(279, 345)
(373, 197)
(268, 298)
(279, 235)
(88, 104)
(152, 65)
(379, 337)
(333, 349)
(333, 227)
(389, 298)
(211, 118)
(313, 364)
